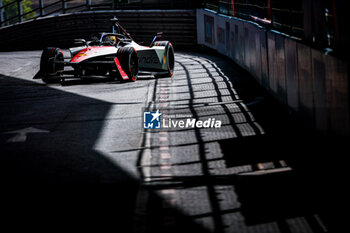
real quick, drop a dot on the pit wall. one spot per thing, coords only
(308, 82)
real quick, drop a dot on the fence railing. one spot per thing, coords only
(298, 18)
(284, 16)
(21, 10)
(15, 11)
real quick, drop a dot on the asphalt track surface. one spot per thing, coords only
(76, 157)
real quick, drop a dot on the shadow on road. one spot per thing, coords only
(56, 181)
(282, 177)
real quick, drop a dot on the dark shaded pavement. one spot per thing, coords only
(97, 170)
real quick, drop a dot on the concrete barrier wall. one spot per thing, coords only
(308, 82)
(178, 26)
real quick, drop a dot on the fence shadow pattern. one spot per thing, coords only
(210, 176)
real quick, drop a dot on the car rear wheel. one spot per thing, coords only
(169, 57)
(127, 57)
(48, 67)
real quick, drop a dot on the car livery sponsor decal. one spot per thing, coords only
(77, 57)
(149, 60)
(93, 51)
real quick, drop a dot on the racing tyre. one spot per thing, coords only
(127, 57)
(169, 58)
(47, 65)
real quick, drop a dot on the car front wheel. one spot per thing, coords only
(127, 57)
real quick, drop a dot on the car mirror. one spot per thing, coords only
(158, 35)
(80, 42)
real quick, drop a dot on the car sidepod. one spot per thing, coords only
(156, 59)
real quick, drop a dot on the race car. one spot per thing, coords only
(113, 54)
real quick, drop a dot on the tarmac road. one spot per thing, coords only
(77, 157)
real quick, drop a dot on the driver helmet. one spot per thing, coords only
(111, 39)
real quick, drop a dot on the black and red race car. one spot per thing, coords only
(114, 54)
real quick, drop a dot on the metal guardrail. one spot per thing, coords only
(46, 8)
(20, 11)
(61, 30)
(284, 16)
